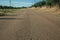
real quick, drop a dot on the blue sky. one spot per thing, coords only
(18, 3)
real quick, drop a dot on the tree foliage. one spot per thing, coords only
(6, 7)
(39, 4)
(10, 7)
(49, 3)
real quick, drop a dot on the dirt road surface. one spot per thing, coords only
(30, 25)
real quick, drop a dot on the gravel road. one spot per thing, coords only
(30, 25)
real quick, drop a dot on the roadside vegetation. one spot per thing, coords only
(47, 3)
(52, 6)
(4, 10)
(44, 3)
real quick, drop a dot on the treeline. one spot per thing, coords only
(39, 4)
(47, 3)
(6, 7)
(10, 7)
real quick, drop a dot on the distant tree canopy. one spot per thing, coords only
(6, 7)
(53, 2)
(10, 7)
(49, 3)
(39, 4)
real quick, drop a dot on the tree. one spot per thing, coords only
(39, 4)
(53, 2)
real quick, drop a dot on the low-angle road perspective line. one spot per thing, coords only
(30, 25)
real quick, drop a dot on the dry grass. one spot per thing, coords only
(54, 10)
(6, 12)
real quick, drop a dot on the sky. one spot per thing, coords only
(18, 3)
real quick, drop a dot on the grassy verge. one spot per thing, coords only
(6, 12)
(53, 10)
